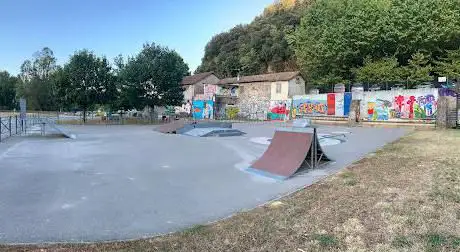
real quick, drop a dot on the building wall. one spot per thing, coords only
(210, 80)
(189, 93)
(254, 100)
(283, 95)
(199, 88)
(296, 87)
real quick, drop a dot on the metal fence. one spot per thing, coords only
(10, 126)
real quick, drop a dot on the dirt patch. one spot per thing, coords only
(405, 197)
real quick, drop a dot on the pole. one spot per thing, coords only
(16, 123)
(0, 129)
(10, 125)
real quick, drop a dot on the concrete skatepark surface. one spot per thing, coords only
(127, 182)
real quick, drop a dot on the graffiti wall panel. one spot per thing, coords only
(339, 104)
(347, 103)
(310, 104)
(203, 109)
(331, 104)
(401, 104)
(279, 110)
(334, 104)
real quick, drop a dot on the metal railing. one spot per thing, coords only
(10, 126)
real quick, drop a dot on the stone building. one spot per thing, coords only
(254, 95)
(197, 84)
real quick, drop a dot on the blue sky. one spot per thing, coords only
(112, 27)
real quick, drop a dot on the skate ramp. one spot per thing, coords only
(203, 125)
(213, 132)
(45, 122)
(287, 153)
(172, 127)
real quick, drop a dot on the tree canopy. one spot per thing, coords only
(336, 36)
(152, 78)
(87, 80)
(8, 85)
(37, 84)
(259, 47)
(329, 40)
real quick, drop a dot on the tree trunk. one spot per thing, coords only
(84, 115)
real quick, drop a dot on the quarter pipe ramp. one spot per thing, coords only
(287, 153)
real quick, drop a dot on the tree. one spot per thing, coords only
(87, 81)
(450, 65)
(7, 90)
(152, 78)
(259, 47)
(379, 71)
(335, 36)
(36, 84)
(41, 66)
(418, 69)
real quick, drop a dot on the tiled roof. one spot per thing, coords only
(273, 77)
(193, 79)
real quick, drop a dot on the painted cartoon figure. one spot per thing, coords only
(209, 111)
(205, 110)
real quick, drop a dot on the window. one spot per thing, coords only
(278, 88)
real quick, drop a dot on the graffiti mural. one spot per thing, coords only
(378, 110)
(210, 90)
(203, 109)
(322, 104)
(279, 110)
(402, 107)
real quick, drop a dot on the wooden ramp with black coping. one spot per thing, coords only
(287, 153)
(172, 127)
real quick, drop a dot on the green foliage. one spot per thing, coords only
(259, 47)
(379, 71)
(87, 80)
(232, 112)
(8, 85)
(152, 78)
(450, 65)
(335, 36)
(418, 69)
(37, 84)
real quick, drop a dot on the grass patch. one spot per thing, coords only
(325, 240)
(403, 198)
(401, 242)
(435, 242)
(349, 178)
(196, 230)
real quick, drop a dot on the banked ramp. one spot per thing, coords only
(287, 153)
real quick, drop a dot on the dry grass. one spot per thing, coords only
(404, 198)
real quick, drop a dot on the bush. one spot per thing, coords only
(232, 112)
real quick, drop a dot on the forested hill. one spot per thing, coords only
(377, 42)
(258, 47)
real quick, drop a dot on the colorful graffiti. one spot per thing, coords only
(402, 107)
(279, 110)
(203, 109)
(210, 89)
(378, 110)
(322, 104)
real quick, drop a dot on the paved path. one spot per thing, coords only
(124, 182)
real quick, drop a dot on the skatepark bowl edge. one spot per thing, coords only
(129, 182)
